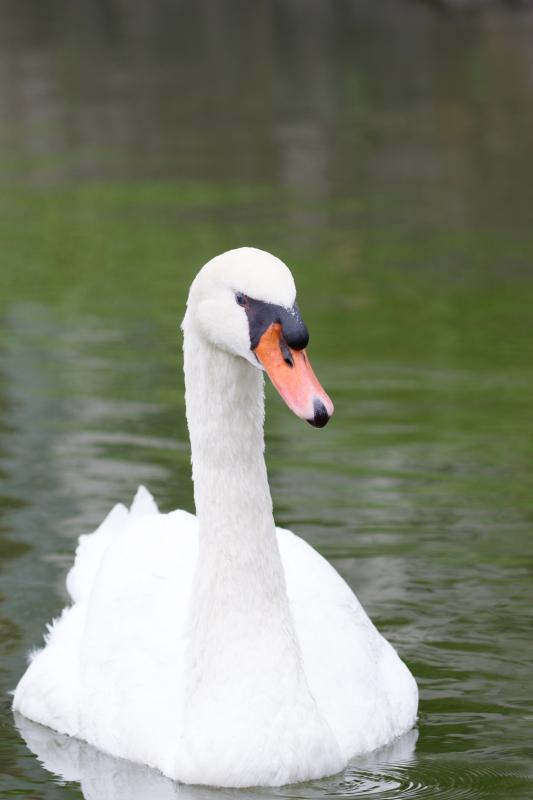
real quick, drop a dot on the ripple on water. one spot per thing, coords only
(445, 780)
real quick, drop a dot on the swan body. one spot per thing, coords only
(217, 648)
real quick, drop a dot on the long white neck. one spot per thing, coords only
(239, 571)
(246, 697)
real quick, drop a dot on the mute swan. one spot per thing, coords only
(217, 648)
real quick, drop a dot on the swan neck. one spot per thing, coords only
(242, 655)
(224, 399)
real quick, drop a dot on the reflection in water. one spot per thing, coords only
(105, 778)
(388, 774)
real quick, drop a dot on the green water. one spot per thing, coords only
(384, 150)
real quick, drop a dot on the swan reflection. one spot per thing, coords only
(102, 777)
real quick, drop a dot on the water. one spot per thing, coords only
(384, 151)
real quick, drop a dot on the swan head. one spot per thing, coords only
(244, 302)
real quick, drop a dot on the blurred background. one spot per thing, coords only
(383, 149)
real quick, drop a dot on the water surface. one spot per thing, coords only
(384, 151)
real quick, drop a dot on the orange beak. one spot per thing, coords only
(292, 375)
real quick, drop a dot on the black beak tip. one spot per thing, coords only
(321, 416)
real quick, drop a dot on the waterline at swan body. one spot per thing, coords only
(217, 648)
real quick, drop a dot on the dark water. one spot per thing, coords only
(384, 150)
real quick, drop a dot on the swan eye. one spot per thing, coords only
(240, 298)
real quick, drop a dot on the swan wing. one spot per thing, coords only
(360, 684)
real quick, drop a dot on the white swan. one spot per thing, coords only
(219, 649)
